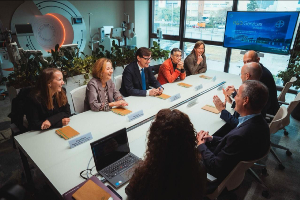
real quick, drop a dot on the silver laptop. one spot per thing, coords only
(113, 159)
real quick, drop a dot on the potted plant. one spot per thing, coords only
(293, 69)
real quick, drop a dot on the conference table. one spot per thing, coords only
(62, 165)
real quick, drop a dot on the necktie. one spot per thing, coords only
(143, 79)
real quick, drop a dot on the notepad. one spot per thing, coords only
(90, 191)
(163, 96)
(66, 132)
(184, 85)
(211, 109)
(205, 77)
(121, 111)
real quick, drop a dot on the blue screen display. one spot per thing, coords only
(270, 32)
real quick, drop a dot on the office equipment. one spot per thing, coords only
(270, 32)
(191, 103)
(121, 111)
(24, 30)
(80, 140)
(68, 194)
(66, 132)
(113, 159)
(175, 97)
(198, 87)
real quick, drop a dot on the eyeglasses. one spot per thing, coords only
(147, 58)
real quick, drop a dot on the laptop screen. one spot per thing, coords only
(109, 149)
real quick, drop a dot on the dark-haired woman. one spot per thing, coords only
(195, 63)
(101, 93)
(48, 105)
(171, 168)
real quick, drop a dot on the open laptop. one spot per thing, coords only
(113, 159)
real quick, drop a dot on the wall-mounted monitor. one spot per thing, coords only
(24, 30)
(270, 32)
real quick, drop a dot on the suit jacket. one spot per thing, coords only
(191, 67)
(95, 97)
(249, 141)
(167, 74)
(38, 112)
(132, 81)
(268, 80)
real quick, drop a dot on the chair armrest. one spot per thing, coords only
(211, 178)
(14, 129)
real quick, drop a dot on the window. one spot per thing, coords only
(168, 44)
(167, 17)
(205, 20)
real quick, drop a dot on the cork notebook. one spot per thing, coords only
(205, 77)
(210, 109)
(90, 191)
(121, 111)
(163, 96)
(66, 132)
(184, 85)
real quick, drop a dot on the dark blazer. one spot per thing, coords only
(191, 67)
(132, 81)
(268, 80)
(94, 96)
(38, 112)
(249, 141)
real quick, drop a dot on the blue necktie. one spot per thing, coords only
(143, 79)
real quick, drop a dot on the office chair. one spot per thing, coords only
(118, 82)
(78, 96)
(281, 97)
(236, 177)
(275, 125)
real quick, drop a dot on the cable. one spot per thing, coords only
(87, 168)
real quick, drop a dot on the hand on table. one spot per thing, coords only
(45, 125)
(160, 90)
(119, 103)
(155, 92)
(218, 103)
(65, 121)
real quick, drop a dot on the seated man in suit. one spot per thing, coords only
(137, 76)
(250, 140)
(172, 68)
(250, 71)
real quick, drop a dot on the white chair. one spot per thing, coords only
(78, 96)
(281, 97)
(118, 82)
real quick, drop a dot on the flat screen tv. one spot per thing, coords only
(270, 32)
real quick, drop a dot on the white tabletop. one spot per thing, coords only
(62, 165)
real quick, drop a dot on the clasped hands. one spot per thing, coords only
(118, 103)
(46, 124)
(156, 92)
(203, 136)
(199, 59)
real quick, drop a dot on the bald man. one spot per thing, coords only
(267, 79)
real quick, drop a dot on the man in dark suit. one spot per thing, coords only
(137, 77)
(250, 140)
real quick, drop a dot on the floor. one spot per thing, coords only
(282, 184)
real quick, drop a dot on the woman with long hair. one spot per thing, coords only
(171, 168)
(195, 63)
(101, 93)
(48, 105)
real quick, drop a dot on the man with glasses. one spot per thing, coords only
(172, 68)
(138, 77)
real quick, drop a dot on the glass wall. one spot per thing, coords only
(205, 20)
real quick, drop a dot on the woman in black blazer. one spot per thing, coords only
(48, 105)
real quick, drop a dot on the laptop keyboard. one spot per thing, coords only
(120, 166)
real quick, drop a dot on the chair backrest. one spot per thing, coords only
(290, 108)
(276, 123)
(235, 177)
(78, 96)
(287, 86)
(118, 82)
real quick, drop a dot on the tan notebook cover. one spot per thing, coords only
(184, 85)
(211, 109)
(163, 96)
(205, 77)
(66, 132)
(121, 111)
(90, 191)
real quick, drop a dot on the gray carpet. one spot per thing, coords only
(282, 184)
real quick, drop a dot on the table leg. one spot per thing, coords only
(26, 169)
